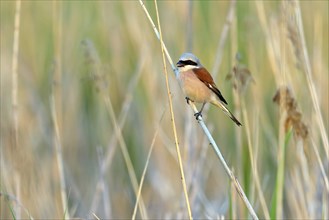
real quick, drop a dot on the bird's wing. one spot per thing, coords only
(205, 77)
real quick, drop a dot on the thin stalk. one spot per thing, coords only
(14, 70)
(227, 169)
(17, 179)
(189, 144)
(223, 37)
(279, 185)
(310, 81)
(16, 209)
(240, 151)
(56, 103)
(145, 167)
(158, 36)
(112, 145)
(59, 156)
(173, 117)
(189, 22)
(103, 187)
(253, 163)
(322, 169)
(125, 154)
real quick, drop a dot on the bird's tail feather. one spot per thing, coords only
(226, 111)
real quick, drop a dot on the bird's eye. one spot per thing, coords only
(189, 62)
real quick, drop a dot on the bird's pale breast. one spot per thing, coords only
(193, 88)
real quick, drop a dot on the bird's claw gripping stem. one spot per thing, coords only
(188, 100)
(197, 115)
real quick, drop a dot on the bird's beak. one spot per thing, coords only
(179, 64)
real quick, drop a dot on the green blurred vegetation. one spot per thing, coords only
(108, 51)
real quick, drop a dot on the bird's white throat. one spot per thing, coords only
(187, 68)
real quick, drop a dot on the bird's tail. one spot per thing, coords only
(226, 111)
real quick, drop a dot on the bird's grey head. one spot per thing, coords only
(188, 61)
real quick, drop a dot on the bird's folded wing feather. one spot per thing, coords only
(204, 76)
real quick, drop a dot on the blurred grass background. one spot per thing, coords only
(86, 54)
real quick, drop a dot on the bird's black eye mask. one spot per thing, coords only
(186, 62)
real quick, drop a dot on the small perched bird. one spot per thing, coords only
(199, 86)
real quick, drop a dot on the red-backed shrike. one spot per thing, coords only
(199, 86)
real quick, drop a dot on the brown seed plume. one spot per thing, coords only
(284, 97)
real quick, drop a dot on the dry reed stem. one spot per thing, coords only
(282, 131)
(237, 130)
(227, 169)
(297, 184)
(293, 120)
(306, 180)
(59, 156)
(125, 154)
(291, 116)
(96, 217)
(270, 46)
(102, 187)
(173, 117)
(309, 76)
(112, 145)
(254, 163)
(282, 79)
(91, 56)
(17, 180)
(233, 200)
(277, 60)
(14, 71)
(189, 22)
(325, 201)
(158, 36)
(189, 144)
(199, 175)
(241, 78)
(98, 190)
(222, 40)
(280, 170)
(322, 169)
(146, 166)
(17, 208)
(56, 103)
(223, 37)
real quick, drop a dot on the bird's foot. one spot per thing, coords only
(188, 100)
(197, 115)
